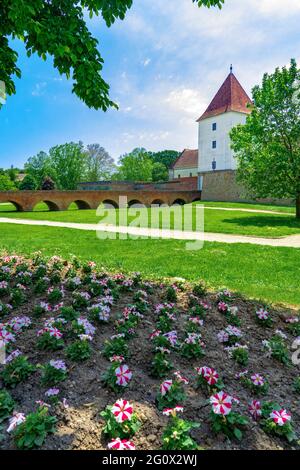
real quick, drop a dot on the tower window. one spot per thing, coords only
(214, 144)
(178, 176)
(214, 126)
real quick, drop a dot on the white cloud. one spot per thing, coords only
(39, 89)
(146, 62)
(185, 100)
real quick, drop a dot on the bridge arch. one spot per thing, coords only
(179, 201)
(158, 202)
(81, 204)
(109, 202)
(135, 202)
(52, 206)
(17, 205)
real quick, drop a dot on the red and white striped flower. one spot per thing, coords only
(165, 386)
(180, 378)
(221, 403)
(123, 374)
(255, 409)
(280, 417)
(211, 376)
(257, 380)
(173, 411)
(121, 444)
(122, 410)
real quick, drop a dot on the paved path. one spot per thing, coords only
(256, 211)
(292, 241)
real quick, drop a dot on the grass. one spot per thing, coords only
(253, 206)
(259, 272)
(218, 221)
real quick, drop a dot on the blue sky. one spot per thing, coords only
(164, 64)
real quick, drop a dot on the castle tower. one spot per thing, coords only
(227, 109)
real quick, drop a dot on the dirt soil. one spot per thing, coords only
(79, 426)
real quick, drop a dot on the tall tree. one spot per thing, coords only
(99, 164)
(6, 184)
(68, 161)
(29, 183)
(58, 28)
(135, 166)
(268, 145)
(40, 166)
(166, 157)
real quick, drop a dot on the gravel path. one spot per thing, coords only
(292, 241)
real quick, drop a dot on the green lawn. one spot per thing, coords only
(254, 206)
(257, 271)
(226, 221)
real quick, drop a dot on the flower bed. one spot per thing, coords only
(106, 361)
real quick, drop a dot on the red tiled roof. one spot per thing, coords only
(230, 97)
(188, 159)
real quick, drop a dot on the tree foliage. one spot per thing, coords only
(29, 183)
(68, 161)
(99, 164)
(135, 166)
(58, 28)
(6, 184)
(268, 145)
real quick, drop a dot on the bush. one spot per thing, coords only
(29, 183)
(48, 184)
(34, 430)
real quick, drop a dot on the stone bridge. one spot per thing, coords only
(85, 199)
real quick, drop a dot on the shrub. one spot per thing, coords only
(34, 430)
(16, 371)
(7, 405)
(120, 420)
(176, 435)
(80, 350)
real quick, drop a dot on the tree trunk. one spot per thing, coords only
(298, 206)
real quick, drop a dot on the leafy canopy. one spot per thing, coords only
(268, 145)
(58, 28)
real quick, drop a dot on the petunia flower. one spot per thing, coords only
(258, 380)
(280, 417)
(255, 409)
(122, 410)
(173, 411)
(221, 403)
(123, 374)
(165, 387)
(121, 444)
(15, 420)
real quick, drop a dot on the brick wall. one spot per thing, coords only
(222, 186)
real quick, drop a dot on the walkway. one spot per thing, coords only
(292, 241)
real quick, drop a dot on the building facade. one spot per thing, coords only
(229, 107)
(185, 166)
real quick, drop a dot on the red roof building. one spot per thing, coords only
(230, 97)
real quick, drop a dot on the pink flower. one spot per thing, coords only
(122, 410)
(258, 380)
(15, 420)
(123, 374)
(180, 377)
(202, 370)
(173, 411)
(121, 444)
(165, 386)
(262, 314)
(117, 358)
(280, 417)
(222, 307)
(221, 403)
(255, 409)
(211, 376)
